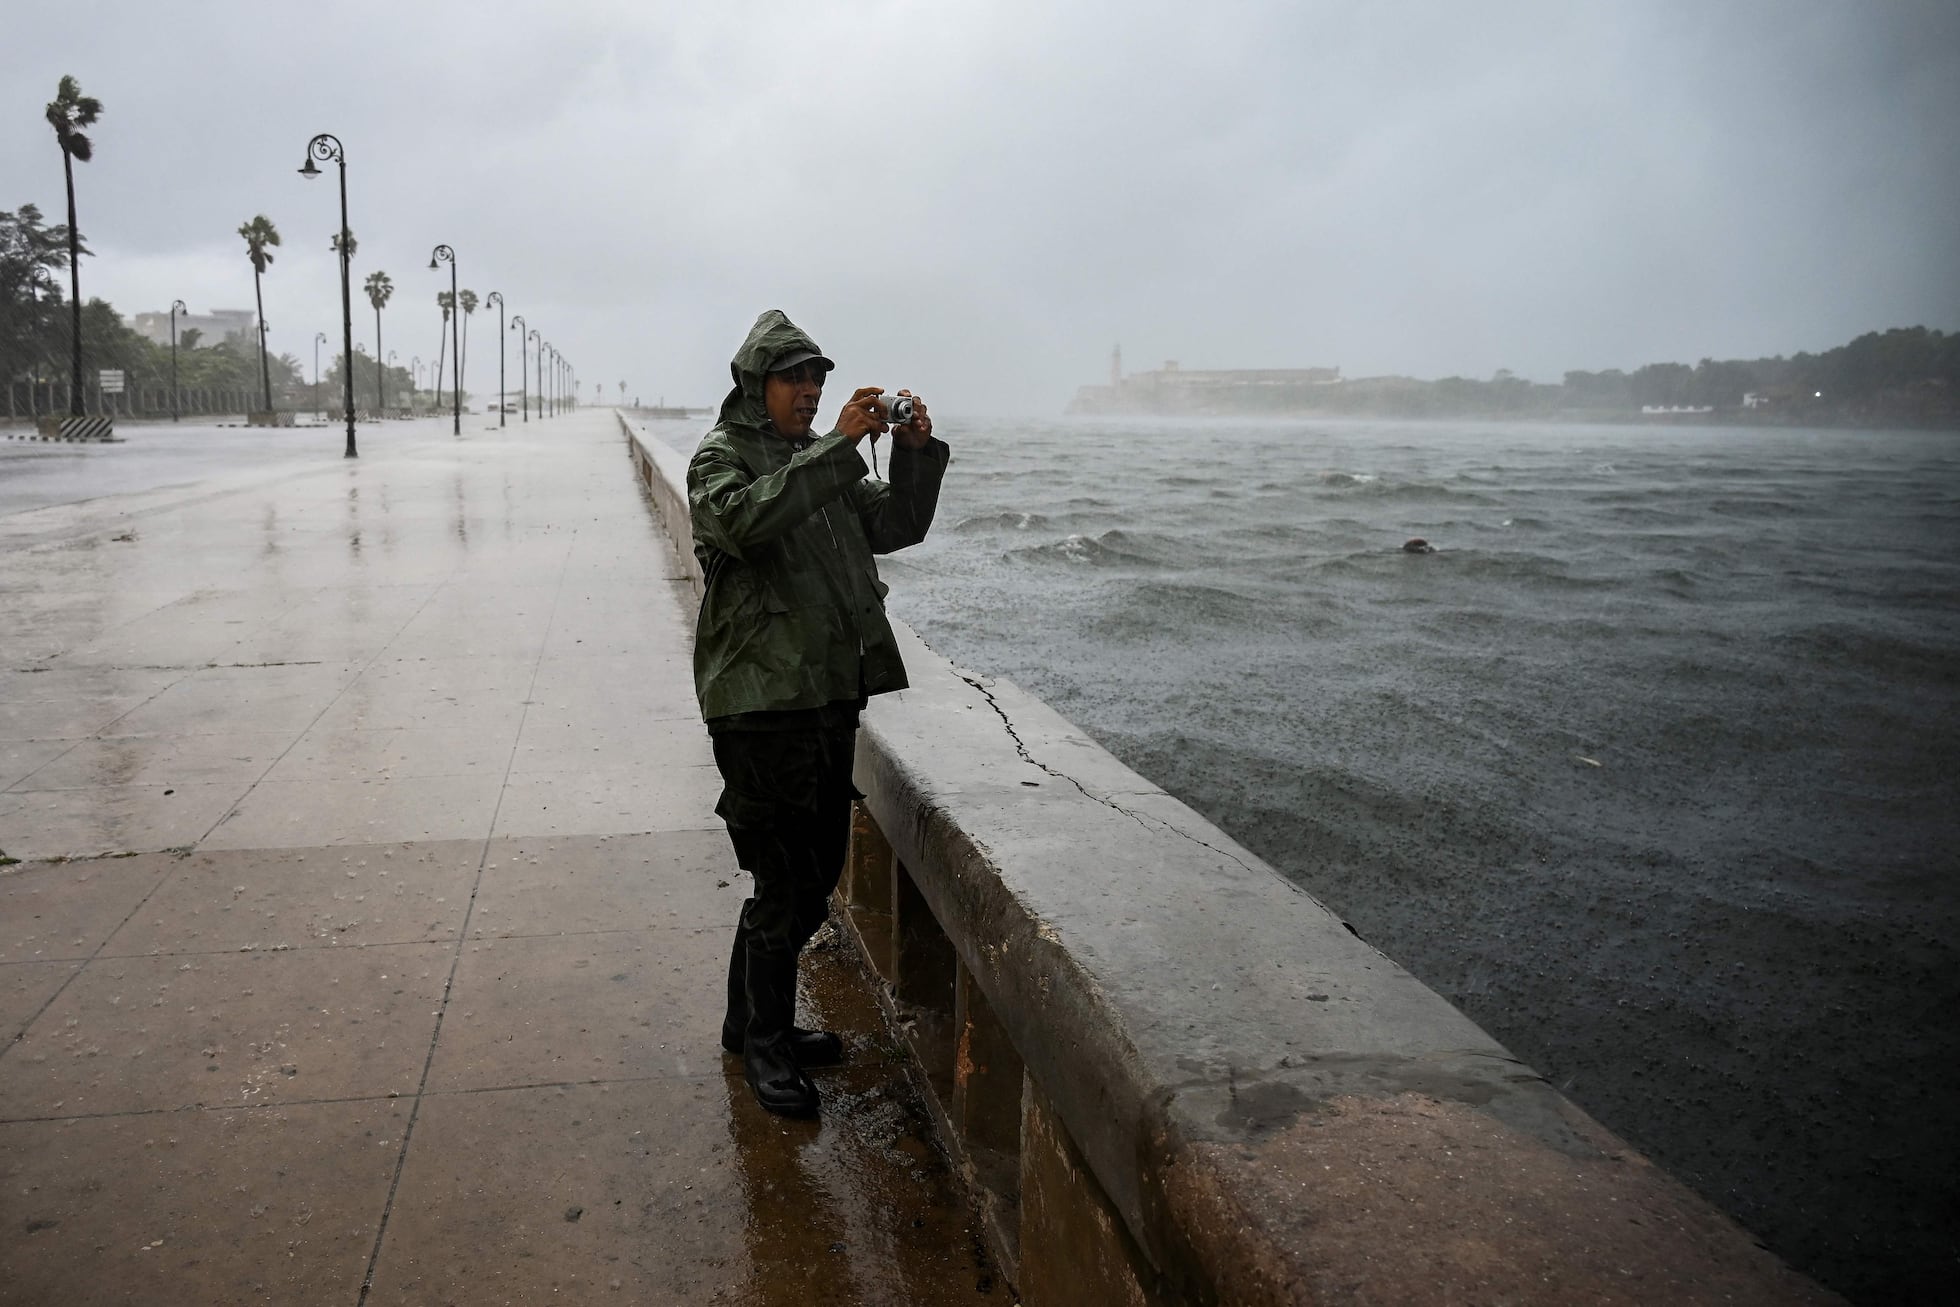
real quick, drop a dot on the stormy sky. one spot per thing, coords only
(978, 198)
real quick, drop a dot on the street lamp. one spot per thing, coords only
(537, 343)
(550, 379)
(326, 148)
(319, 339)
(443, 254)
(176, 307)
(498, 296)
(523, 366)
(414, 381)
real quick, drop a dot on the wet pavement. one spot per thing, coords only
(366, 926)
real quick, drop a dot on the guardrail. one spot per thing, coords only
(1170, 1076)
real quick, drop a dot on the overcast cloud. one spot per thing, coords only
(979, 199)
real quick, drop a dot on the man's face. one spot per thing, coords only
(791, 396)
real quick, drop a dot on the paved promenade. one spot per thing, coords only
(367, 936)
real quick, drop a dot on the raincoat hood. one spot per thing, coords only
(772, 337)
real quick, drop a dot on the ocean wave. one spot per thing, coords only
(1197, 612)
(1003, 522)
(1643, 515)
(1523, 570)
(1375, 490)
(1885, 657)
(1113, 548)
(1765, 507)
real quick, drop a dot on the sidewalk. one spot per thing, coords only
(371, 918)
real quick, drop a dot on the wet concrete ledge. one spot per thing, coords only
(1171, 1076)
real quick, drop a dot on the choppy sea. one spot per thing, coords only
(1650, 767)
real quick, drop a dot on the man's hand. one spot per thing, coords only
(917, 432)
(861, 415)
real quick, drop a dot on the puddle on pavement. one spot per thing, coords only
(860, 1205)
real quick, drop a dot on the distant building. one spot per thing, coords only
(1173, 389)
(212, 327)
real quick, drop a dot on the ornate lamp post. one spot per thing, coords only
(523, 366)
(415, 381)
(537, 343)
(391, 363)
(319, 339)
(551, 384)
(326, 148)
(176, 307)
(441, 255)
(498, 296)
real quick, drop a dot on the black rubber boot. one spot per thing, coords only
(768, 1057)
(810, 1047)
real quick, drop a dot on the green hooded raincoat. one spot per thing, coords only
(793, 612)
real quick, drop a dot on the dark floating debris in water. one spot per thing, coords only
(1417, 545)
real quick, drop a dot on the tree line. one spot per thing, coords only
(1903, 369)
(1903, 375)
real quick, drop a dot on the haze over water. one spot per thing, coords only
(1649, 768)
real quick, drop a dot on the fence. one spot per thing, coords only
(27, 400)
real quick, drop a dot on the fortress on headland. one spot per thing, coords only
(1171, 390)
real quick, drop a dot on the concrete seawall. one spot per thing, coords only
(1170, 1076)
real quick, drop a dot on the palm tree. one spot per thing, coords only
(379, 288)
(260, 236)
(447, 302)
(68, 113)
(468, 297)
(352, 244)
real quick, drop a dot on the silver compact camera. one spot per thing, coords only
(896, 409)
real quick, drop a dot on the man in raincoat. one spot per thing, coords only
(791, 641)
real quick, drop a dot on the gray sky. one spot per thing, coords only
(978, 199)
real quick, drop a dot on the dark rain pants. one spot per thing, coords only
(786, 798)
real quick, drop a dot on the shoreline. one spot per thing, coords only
(1740, 419)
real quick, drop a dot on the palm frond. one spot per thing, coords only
(68, 113)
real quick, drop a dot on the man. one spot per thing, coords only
(792, 639)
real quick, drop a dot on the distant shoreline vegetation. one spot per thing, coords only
(1905, 376)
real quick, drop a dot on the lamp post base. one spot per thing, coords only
(76, 429)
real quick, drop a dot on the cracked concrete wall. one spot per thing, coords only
(1276, 1110)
